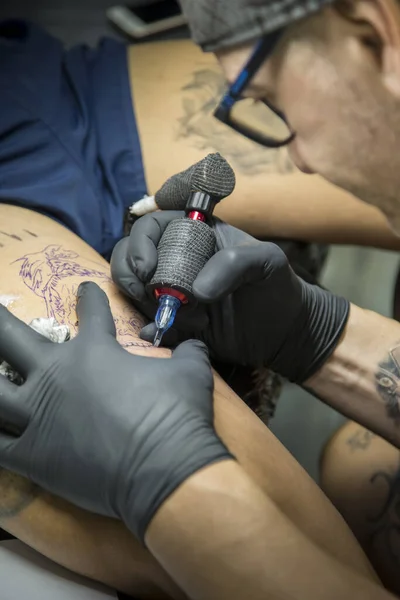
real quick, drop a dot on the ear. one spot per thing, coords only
(379, 31)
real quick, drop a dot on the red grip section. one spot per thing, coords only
(170, 292)
(195, 215)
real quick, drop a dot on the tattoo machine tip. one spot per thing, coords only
(157, 338)
(166, 313)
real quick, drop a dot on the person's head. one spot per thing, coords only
(334, 72)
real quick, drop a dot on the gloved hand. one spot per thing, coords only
(113, 433)
(253, 309)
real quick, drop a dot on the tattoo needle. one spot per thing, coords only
(165, 317)
(157, 338)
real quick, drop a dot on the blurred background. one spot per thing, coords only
(365, 276)
(74, 21)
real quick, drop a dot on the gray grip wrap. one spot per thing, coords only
(176, 190)
(212, 175)
(185, 247)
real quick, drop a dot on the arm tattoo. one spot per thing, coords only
(361, 440)
(387, 380)
(16, 492)
(54, 274)
(386, 523)
(200, 97)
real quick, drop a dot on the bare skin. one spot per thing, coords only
(252, 559)
(39, 256)
(360, 472)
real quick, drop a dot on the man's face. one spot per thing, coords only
(339, 90)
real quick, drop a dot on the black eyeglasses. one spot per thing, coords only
(257, 120)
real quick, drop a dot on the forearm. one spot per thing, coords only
(361, 379)
(94, 546)
(42, 266)
(240, 545)
(305, 208)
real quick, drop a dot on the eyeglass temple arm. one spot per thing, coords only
(262, 50)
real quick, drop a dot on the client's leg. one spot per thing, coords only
(360, 473)
(42, 266)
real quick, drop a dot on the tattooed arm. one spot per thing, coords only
(174, 89)
(360, 472)
(42, 264)
(362, 377)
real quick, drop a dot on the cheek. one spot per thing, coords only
(316, 115)
(336, 109)
(307, 101)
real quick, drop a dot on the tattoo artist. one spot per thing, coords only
(147, 455)
(334, 78)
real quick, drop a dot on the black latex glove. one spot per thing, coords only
(253, 309)
(113, 433)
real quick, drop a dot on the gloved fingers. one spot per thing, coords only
(143, 241)
(20, 345)
(228, 236)
(231, 268)
(14, 413)
(122, 274)
(93, 310)
(170, 338)
(14, 456)
(194, 359)
(188, 323)
(8, 460)
(192, 350)
(191, 320)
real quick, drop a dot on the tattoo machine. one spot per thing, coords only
(188, 243)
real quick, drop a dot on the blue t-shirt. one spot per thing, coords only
(69, 145)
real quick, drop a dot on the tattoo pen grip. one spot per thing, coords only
(188, 243)
(185, 247)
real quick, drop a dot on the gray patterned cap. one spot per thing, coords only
(217, 24)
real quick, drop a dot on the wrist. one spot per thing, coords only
(349, 365)
(328, 318)
(314, 335)
(168, 462)
(203, 486)
(361, 377)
